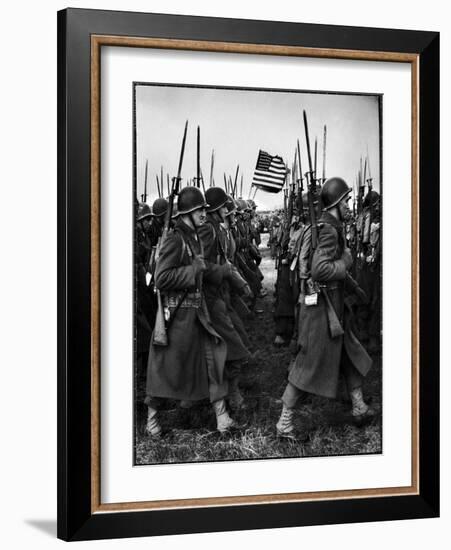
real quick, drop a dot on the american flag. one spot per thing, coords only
(270, 173)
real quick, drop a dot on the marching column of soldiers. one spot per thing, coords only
(198, 279)
(202, 281)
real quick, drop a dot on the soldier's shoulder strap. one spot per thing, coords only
(184, 248)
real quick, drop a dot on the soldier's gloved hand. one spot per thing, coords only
(199, 264)
(347, 257)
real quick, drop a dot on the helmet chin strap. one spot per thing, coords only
(191, 219)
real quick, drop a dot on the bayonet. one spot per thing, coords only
(316, 152)
(324, 154)
(311, 187)
(236, 181)
(144, 196)
(211, 167)
(158, 185)
(198, 158)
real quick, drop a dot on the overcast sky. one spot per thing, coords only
(237, 123)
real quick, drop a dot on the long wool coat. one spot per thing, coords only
(191, 367)
(322, 358)
(214, 241)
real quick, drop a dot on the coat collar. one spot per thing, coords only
(213, 219)
(326, 217)
(180, 225)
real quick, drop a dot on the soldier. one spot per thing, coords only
(274, 228)
(255, 224)
(284, 304)
(237, 297)
(145, 304)
(369, 315)
(299, 249)
(221, 273)
(191, 366)
(155, 230)
(159, 209)
(246, 264)
(235, 292)
(328, 345)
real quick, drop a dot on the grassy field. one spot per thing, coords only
(191, 435)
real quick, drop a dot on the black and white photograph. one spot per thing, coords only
(258, 256)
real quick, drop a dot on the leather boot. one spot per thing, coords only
(285, 426)
(153, 428)
(223, 421)
(362, 413)
(234, 397)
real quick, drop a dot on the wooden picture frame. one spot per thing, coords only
(81, 35)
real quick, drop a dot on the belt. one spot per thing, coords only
(191, 300)
(331, 286)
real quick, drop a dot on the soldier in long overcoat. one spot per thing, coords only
(328, 345)
(191, 366)
(219, 276)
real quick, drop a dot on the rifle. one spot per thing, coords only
(198, 159)
(324, 154)
(370, 189)
(301, 185)
(144, 195)
(311, 187)
(290, 206)
(160, 337)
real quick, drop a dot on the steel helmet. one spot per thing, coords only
(333, 191)
(230, 205)
(371, 198)
(216, 197)
(144, 211)
(190, 199)
(241, 205)
(160, 207)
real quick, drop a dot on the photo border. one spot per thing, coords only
(230, 88)
(81, 34)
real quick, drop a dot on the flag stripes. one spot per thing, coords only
(270, 172)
